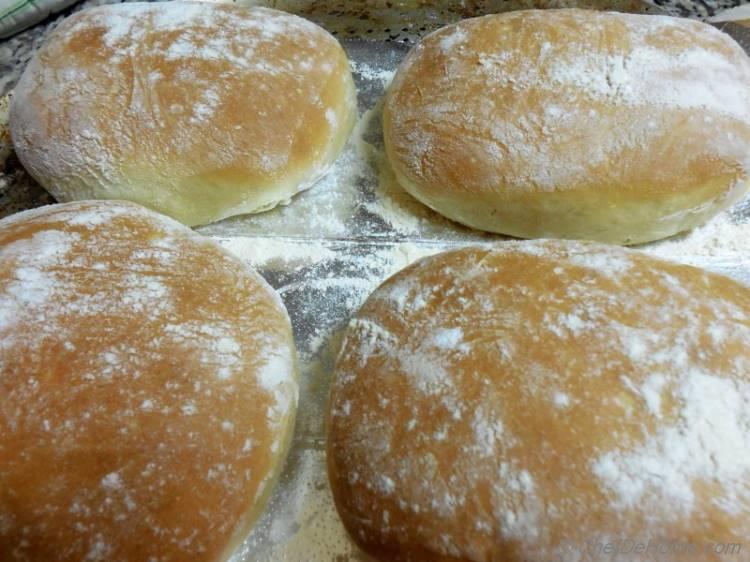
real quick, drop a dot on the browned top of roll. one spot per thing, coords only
(558, 100)
(512, 404)
(147, 384)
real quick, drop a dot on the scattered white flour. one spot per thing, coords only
(112, 481)
(561, 400)
(651, 391)
(34, 283)
(373, 72)
(450, 40)
(722, 238)
(709, 441)
(487, 434)
(447, 339)
(601, 262)
(282, 252)
(426, 372)
(276, 377)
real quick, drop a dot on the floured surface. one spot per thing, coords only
(721, 245)
(463, 383)
(148, 388)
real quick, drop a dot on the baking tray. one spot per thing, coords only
(327, 250)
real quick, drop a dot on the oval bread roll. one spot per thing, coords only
(537, 401)
(573, 124)
(147, 389)
(197, 110)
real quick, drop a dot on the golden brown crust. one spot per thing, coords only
(510, 404)
(147, 388)
(573, 124)
(195, 109)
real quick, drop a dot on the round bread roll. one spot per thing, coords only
(573, 124)
(538, 401)
(147, 389)
(198, 110)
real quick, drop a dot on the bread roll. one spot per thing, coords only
(537, 401)
(198, 110)
(147, 389)
(573, 124)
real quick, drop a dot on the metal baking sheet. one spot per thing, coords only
(332, 245)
